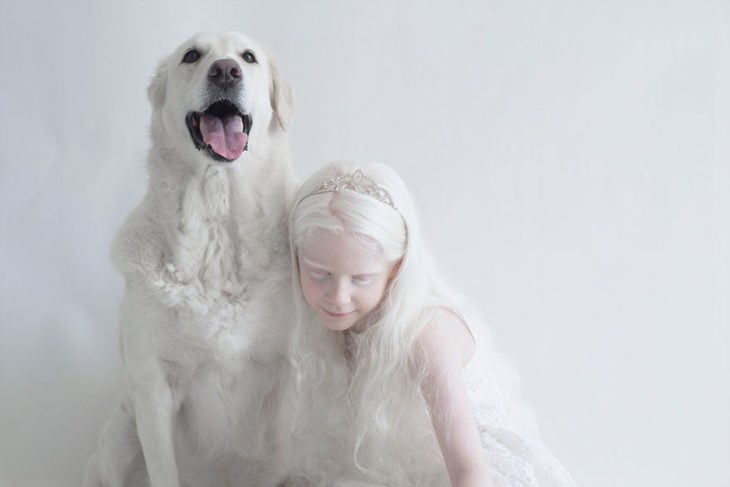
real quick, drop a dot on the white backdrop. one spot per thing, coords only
(570, 160)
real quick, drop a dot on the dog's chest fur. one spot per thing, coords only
(235, 252)
(210, 253)
(203, 237)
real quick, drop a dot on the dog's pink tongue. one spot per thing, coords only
(225, 136)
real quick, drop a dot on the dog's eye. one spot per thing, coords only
(191, 56)
(249, 57)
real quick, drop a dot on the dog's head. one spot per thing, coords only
(217, 96)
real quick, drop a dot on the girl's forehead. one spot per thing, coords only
(342, 250)
(354, 243)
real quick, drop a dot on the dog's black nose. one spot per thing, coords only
(225, 73)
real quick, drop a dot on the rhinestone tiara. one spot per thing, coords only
(356, 182)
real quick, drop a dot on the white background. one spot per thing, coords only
(569, 158)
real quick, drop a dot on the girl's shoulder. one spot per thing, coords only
(445, 338)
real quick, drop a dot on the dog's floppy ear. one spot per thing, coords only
(156, 89)
(282, 98)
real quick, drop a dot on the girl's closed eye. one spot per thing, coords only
(363, 279)
(318, 275)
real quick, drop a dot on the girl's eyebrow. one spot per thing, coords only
(312, 263)
(366, 274)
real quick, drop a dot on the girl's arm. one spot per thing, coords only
(442, 350)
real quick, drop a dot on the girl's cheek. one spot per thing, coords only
(308, 288)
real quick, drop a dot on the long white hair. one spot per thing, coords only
(370, 374)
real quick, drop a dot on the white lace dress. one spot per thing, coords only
(516, 455)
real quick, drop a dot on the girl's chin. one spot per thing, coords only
(339, 325)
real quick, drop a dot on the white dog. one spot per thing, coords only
(206, 314)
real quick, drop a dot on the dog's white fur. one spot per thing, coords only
(206, 314)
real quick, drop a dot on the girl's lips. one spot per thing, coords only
(337, 315)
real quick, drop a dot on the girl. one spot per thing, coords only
(385, 347)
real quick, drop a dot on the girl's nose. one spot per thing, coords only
(339, 294)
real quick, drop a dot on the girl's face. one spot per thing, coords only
(342, 278)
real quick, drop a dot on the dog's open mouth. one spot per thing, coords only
(221, 130)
